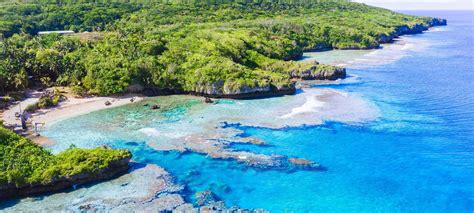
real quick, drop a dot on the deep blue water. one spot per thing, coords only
(417, 157)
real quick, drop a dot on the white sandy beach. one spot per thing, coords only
(73, 106)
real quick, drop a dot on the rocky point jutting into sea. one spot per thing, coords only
(114, 169)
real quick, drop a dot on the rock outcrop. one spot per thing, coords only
(318, 71)
(205, 198)
(115, 168)
(438, 22)
(244, 91)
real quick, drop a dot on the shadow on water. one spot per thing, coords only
(8, 203)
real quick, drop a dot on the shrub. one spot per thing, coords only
(78, 90)
(32, 107)
(45, 102)
(17, 96)
(23, 162)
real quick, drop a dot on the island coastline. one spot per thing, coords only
(88, 105)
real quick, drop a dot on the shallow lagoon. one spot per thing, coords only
(406, 144)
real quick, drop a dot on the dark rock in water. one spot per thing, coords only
(300, 161)
(304, 163)
(154, 107)
(131, 144)
(132, 100)
(146, 105)
(108, 103)
(208, 100)
(193, 173)
(438, 22)
(205, 198)
(86, 208)
(216, 207)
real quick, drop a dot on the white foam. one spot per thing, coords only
(312, 104)
(408, 46)
(340, 92)
(437, 29)
(151, 132)
(242, 157)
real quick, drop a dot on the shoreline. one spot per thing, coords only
(74, 106)
(69, 108)
(365, 57)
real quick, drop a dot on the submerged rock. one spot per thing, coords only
(300, 161)
(205, 198)
(146, 188)
(252, 140)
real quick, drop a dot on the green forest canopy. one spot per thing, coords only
(218, 46)
(22, 162)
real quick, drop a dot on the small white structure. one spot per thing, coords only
(62, 32)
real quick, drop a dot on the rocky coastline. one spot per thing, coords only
(242, 93)
(313, 72)
(319, 72)
(219, 90)
(114, 169)
(410, 30)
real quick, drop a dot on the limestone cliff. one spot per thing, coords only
(413, 29)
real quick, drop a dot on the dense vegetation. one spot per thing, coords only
(23, 162)
(210, 47)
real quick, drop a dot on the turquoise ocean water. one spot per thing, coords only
(416, 156)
